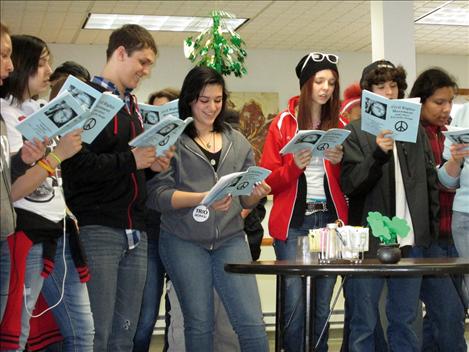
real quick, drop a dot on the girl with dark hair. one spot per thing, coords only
(395, 179)
(163, 96)
(194, 87)
(11, 168)
(443, 324)
(44, 243)
(305, 187)
(35, 64)
(60, 75)
(208, 150)
(432, 81)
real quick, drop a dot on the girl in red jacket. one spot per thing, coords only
(305, 187)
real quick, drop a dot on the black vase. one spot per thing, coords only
(389, 253)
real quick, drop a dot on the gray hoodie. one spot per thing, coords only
(191, 171)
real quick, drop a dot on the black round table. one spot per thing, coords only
(281, 268)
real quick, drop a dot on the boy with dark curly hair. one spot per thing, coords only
(395, 179)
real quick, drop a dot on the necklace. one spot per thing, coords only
(208, 144)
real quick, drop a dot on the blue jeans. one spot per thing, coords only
(117, 280)
(460, 231)
(224, 337)
(443, 325)
(73, 314)
(151, 298)
(194, 272)
(362, 296)
(294, 292)
(380, 340)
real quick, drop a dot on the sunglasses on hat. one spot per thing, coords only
(385, 65)
(319, 57)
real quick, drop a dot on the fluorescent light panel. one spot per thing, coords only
(446, 16)
(157, 23)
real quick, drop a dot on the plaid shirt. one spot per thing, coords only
(108, 85)
(129, 99)
(437, 139)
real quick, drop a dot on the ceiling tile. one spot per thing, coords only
(339, 25)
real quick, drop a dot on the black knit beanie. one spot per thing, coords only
(311, 67)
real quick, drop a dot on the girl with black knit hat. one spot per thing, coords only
(306, 188)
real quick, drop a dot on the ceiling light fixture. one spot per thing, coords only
(447, 16)
(157, 23)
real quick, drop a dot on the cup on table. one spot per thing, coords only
(303, 252)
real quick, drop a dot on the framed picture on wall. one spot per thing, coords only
(256, 110)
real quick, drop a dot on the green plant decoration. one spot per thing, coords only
(387, 229)
(213, 48)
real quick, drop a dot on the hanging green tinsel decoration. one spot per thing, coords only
(218, 47)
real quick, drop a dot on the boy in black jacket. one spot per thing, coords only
(104, 186)
(396, 179)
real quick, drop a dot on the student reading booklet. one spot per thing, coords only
(316, 140)
(153, 114)
(457, 135)
(236, 184)
(162, 135)
(401, 116)
(76, 106)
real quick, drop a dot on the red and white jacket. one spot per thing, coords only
(284, 179)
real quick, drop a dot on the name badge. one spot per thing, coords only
(201, 213)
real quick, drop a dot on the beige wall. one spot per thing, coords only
(268, 70)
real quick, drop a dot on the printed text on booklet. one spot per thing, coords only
(316, 140)
(401, 116)
(236, 184)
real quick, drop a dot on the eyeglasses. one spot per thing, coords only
(319, 57)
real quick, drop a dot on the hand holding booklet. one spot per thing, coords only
(153, 114)
(316, 140)
(77, 105)
(401, 116)
(162, 135)
(457, 135)
(236, 184)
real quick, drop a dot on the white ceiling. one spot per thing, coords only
(300, 25)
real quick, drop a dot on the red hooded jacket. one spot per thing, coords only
(284, 179)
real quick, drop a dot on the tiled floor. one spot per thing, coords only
(335, 341)
(157, 343)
